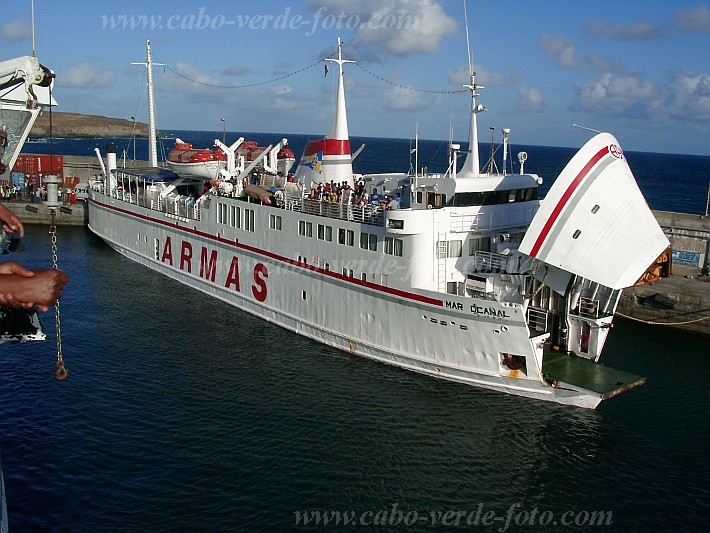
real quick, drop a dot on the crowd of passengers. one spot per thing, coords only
(343, 193)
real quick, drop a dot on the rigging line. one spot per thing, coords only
(135, 115)
(245, 86)
(413, 89)
(662, 323)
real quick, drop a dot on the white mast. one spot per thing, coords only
(339, 130)
(416, 151)
(152, 143)
(472, 165)
(34, 51)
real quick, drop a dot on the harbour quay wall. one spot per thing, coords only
(689, 236)
(37, 213)
(683, 300)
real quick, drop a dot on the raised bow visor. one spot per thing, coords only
(594, 222)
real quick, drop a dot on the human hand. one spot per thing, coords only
(10, 221)
(7, 299)
(42, 289)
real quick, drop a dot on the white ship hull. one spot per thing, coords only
(526, 310)
(442, 335)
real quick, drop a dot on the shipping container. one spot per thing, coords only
(35, 167)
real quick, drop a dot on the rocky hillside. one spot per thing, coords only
(78, 125)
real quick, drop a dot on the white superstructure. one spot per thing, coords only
(470, 279)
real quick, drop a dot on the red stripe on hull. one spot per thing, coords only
(276, 257)
(565, 198)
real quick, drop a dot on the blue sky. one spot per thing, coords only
(639, 69)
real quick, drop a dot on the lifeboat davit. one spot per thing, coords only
(201, 163)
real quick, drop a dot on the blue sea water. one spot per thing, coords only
(183, 413)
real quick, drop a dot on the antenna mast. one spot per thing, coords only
(152, 137)
(34, 51)
(472, 165)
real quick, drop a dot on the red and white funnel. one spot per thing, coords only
(329, 159)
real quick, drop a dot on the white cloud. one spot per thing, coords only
(637, 31)
(563, 52)
(483, 77)
(530, 99)
(86, 76)
(281, 89)
(399, 27)
(16, 31)
(688, 97)
(616, 95)
(694, 19)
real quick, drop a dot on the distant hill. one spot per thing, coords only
(78, 125)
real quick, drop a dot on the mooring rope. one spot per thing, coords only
(662, 323)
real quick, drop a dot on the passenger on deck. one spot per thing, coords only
(374, 197)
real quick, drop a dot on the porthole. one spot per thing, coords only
(576, 234)
(595, 209)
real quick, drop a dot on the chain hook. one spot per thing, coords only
(61, 373)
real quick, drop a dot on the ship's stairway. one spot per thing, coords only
(568, 369)
(442, 252)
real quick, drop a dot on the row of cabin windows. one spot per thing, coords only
(320, 263)
(368, 241)
(464, 199)
(232, 216)
(454, 248)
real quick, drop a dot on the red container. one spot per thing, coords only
(35, 167)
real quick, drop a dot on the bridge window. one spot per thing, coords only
(479, 244)
(464, 199)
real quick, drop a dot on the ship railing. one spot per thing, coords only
(537, 320)
(588, 307)
(360, 214)
(489, 262)
(177, 208)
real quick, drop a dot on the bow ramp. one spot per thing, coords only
(594, 222)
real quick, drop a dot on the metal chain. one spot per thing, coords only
(61, 372)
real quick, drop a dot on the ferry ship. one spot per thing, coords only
(463, 275)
